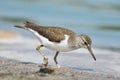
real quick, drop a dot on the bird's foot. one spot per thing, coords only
(45, 62)
(58, 66)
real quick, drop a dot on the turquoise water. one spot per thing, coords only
(100, 19)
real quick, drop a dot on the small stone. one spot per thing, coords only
(47, 70)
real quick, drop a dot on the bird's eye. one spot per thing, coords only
(85, 43)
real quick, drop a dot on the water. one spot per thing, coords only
(100, 19)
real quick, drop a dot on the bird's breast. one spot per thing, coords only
(62, 46)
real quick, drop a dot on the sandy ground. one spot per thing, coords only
(15, 70)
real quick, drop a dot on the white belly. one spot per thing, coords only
(62, 46)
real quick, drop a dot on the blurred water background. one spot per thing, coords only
(100, 19)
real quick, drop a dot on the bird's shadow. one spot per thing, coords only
(82, 69)
(28, 63)
(42, 69)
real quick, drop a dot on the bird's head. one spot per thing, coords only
(86, 43)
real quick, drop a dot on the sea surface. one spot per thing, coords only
(100, 19)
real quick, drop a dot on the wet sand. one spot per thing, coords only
(16, 70)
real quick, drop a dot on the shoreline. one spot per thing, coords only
(19, 58)
(14, 70)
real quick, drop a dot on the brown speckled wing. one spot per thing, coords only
(54, 34)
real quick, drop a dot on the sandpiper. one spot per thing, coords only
(57, 39)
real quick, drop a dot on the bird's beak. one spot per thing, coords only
(89, 49)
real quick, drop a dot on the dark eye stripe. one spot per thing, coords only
(85, 43)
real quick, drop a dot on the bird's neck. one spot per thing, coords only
(75, 41)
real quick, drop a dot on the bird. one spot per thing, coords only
(57, 39)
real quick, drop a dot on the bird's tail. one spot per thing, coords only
(26, 25)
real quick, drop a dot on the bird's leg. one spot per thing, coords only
(45, 59)
(55, 59)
